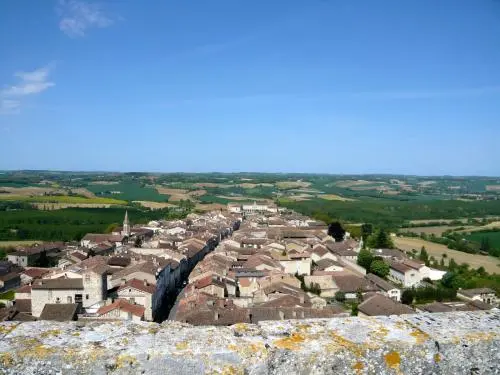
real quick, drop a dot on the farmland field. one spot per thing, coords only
(437, 230)
(334, 197)
(493, 237)
(155, 205)
(490, 264)
(128, 191)
(18, 243)
(62, 199)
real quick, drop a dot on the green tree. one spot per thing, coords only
(380, 240)
(365, 259)
(336, 230)
(452, 265)
(379, 268)
(424, 256)
(485, 244)
(111, 227)
(354, 309)
(340, 296)
(366, 230)
(441, 263)
(407, 296)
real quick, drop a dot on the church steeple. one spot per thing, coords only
(126, 225)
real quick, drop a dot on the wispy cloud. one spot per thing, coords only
(79, 16)
(29, 83)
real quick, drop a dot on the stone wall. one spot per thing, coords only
(448, 343)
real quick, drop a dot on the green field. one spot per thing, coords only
(61, 199)
(493, 237)
(129, 191)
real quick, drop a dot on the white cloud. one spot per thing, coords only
(79, 16)
(30, 83)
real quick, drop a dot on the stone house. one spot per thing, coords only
(9, 281)
(485, 295)
(121, 310)
(385, 287)
(140, 293)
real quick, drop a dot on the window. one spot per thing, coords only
(58, 300)
(87, 277)
(69, 299)
(86, 296)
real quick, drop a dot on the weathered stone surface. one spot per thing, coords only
(449, 343)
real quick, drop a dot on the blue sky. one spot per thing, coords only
(326, 86)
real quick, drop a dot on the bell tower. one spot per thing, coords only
(126, 225)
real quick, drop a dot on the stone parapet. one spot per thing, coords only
(444, 343)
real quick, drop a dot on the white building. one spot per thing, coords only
(485, 295)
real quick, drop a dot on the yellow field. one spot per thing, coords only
(492, 225)
(211, 207)
(334, 197)
(437, 230)
(155, 205)
(490, 264)
(18, 243)
(62, 199)
(180, 194)
(292, 184)
(248, 199)
(59, 206)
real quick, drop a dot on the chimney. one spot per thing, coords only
(294, 313)
(302, 299)
(281, 314)
(145, 282)
(216, 316)
(123, 282)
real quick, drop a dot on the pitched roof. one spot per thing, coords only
(58, 284)
(381, 283)
(124, 305)
(36, 273)
(320, 250)
(400, 267)
(119, 261)
(325, 263)
(60, 312)
(349, 283)
(382, 305)
(9, 276)
(23, 289)
(435, 307)
(23, 305)
(139, 285)
(474, 292)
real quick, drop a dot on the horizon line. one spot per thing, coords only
(253, 172)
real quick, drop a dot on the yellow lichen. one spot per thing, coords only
(6, 329)
(480, 336)
(241, 327)
(392, 359)
(231, 370)
(292, 343)
(340, 342)
(232, 347)
(153, 330)
(420, 336)
(50, 333)
(125, 360)
(183, 345)
(437, 358)
(75, 334)
(358, 367)
(6, 360)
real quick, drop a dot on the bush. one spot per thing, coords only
(340, 296)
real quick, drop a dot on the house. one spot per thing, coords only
(30, 255)
(91, 240)
(320, 252)
(328, 265)
(485, 295)
(121, 310)
(379, 304)
(89, 290)
(211, 286)
(297, 263)
(434, 307)
(386, 287)
(327, 285)
(351, 284)
(140, 293)
(401, 273)
(60, 312)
